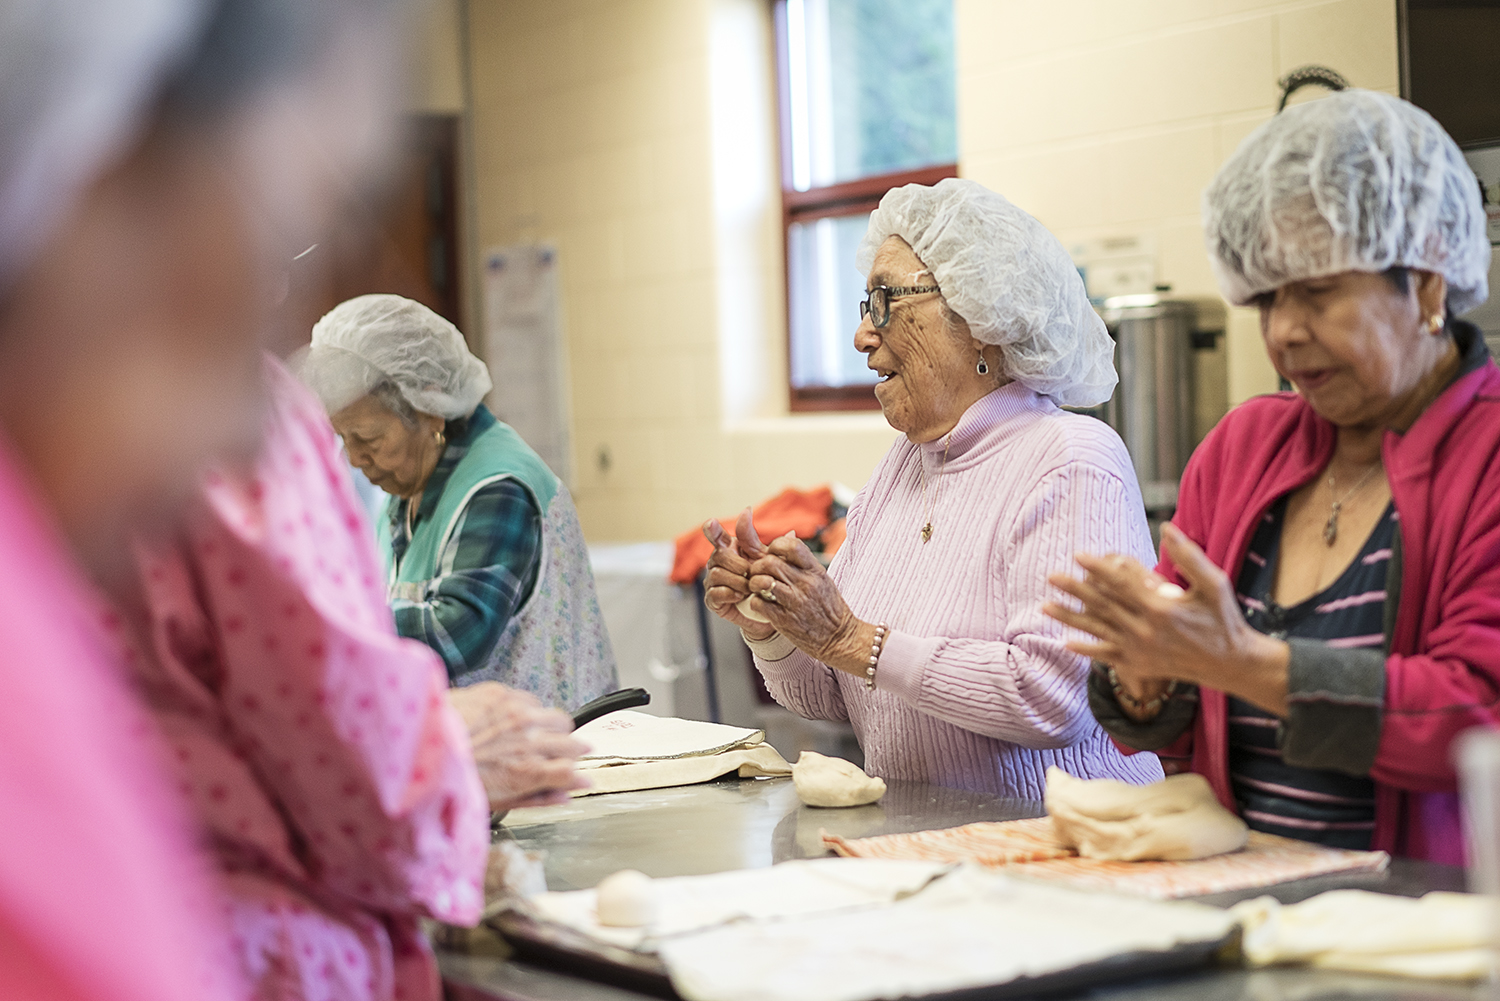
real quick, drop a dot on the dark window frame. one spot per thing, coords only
(1435, 76)
(843, 199)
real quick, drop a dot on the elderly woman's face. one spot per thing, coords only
(1353, 344)
(927, 369)
(131, 342)
(396, 458)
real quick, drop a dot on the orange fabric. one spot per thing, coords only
(833, 537)
(991, 844)
(802, 511)
(1265, 860)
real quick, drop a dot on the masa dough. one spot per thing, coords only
(625, 899)
(750, 613)
(1442, 936)
(512, 872)
(1172, 820)
(825, 781)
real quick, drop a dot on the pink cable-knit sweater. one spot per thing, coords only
(975, 689)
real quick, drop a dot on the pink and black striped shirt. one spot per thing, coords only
(1309, 804)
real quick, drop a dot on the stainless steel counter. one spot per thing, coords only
(753, 823)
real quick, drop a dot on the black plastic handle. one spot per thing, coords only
(625, 698)
(1309, 76)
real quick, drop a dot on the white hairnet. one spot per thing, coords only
(1357, 181)
(1009, 278)
(373, 338)
(76, 77)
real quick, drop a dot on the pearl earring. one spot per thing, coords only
(1435, 322)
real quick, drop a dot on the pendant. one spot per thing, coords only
(927, 531)
(1331, 529)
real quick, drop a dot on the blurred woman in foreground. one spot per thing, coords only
(336, 787)
(160, 161)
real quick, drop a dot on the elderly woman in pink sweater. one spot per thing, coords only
(927, 632)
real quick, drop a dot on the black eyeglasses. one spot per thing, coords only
(877, 301)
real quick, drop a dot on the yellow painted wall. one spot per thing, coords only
(629, 134)
(437, 78)
(1109, 117)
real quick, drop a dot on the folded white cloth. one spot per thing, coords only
(757, 760)
(626, 735)
(631, 750)
(687, 904)
(971, 928)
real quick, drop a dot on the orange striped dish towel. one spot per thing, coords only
(1264, 861)
(991, 844)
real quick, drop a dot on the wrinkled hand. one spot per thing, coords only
(726, 582)
(1151, 638)
(807, 607)
(524, 752)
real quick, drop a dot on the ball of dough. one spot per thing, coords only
(825, 781)
(749, 612)
(625, 899)
(1172, 820)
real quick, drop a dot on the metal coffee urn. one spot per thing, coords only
(1170, 357)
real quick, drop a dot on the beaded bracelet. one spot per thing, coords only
(1149, 707)
(880, 633)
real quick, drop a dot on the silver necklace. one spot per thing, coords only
(1331, 528)
(927, 528)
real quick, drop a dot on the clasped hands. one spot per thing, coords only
(1153, 634)
(786, 584)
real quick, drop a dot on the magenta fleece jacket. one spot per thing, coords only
(1393, 716)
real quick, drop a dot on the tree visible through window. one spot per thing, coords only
(867, 99)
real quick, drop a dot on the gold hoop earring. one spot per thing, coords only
(438, 437)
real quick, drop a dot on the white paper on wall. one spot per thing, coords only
(1486, 166)
(525, 351)
(1485, 163)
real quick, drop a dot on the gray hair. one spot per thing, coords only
(389, 395)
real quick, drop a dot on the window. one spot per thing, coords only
(867, 104)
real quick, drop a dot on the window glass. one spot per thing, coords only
(871, 88)
(825, 290)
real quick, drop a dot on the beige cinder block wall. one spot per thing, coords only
(638, 137)
(1109, 117)
(594, 130)
(437, 84)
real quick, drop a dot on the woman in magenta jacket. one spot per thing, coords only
(1325, 619)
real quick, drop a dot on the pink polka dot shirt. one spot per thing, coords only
(334, 785)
